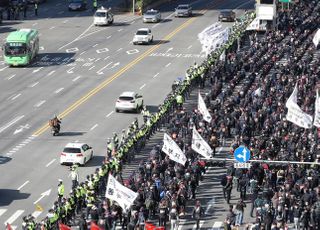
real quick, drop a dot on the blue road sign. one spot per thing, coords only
(242, 154)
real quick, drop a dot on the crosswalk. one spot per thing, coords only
(10, 220)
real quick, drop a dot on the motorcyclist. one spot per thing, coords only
(55, 122)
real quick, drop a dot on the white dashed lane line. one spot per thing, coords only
(52, 27)
(39, 103)
(76, 78)
(82, 52)
(93, 127)
(33, 84)
(59, 90)
(16, 96)
(119, 49)
(12, 76)
(109, 37)
(167, 65)
(189, 47)
(109, 114)
(53, 160)
(24, 184)
(155, 75)
(95, 45)
(119, 30)
(141, 87)
(51, 73)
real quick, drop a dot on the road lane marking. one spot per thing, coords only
(91, 67)
(82, 52)
(141, 87)
(34, 84)
(52, 27)
(59, 90)
(36, 214)
(51, 73)
(34, 24)
(39, 103)
(124, 69)
(100, 70)
(155, 75)
(14, 217)
(106, 58)
(70, 70)
(217, 225)
(18, 95)
(95, 45)
(119, 49)
(24, 184)
(21, 144)
(76, 78)
(109, 114)
(47, 165)
(108, 37)
(11, 123)
(65, 21)
(4, 68)
(37, 70)
(12, 76)
(2, 211)
(200, 225)
(93, 127)
(167, 65)
(119, 30)
(189, 47)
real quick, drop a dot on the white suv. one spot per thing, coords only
(129, 101)
(143, 36)
(76, 153)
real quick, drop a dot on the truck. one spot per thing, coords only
(103, 17)
(266, 16)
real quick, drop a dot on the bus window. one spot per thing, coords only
(15, 48)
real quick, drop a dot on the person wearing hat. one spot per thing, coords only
(60, 190)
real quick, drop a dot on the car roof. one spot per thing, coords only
(143, 29)
(127, 94)
(152, 10)
(74, 145)
(226, 10)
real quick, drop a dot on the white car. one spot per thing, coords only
(152, 16)
(129, 101)
(76, 153)
(143, 36)
(102, 17)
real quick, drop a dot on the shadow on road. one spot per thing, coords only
(95, 161)
(4, 159)
(71, 133)
(7, 196)
(53, 59)
(152, 108)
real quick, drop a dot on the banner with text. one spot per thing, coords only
(203, 109)
(316, 121)
(171, 148)
(200, 145)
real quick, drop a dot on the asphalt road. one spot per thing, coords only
(78, 75)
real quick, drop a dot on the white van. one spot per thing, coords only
(103, 17)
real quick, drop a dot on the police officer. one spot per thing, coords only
(36, 9)
(60, 190)
(179, 100)
(115, 140)
(145, 114)
(123, 136)
(74, 176)
(109, 148)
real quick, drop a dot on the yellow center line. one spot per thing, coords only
(115, 76)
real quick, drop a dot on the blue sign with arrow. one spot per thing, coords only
(242, 154)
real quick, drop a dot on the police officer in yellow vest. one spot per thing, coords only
(60, 190)
(179, 100)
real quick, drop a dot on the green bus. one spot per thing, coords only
(21, 47)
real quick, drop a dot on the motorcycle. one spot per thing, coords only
(55, 130)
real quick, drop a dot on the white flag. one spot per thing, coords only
(295, 113)
(200, 145)
(257, 92)
(171, 148)
(316, 38)
(119, 193)
(203, 109)
(317, 111)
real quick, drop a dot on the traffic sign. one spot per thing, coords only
(242, 165)
(242, 154)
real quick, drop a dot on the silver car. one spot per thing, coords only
(152, 16)
(184, 10)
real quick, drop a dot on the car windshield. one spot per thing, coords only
(100, 14)
(71, 150)
(126, 98)
(226, 13)
(142, 32)
(151, 12)
(182, 7)
(15, 48)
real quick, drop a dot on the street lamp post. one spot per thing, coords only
(133, 6)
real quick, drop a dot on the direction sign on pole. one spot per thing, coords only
(242, 154)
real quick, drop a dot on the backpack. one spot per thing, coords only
(224, 181)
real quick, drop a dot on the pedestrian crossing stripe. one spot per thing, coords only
(2, 211)
(39, 208)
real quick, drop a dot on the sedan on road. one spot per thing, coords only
(184, 10)
(75, 5)
(152, 16)
(129, 101)
(227, 16)
(143, 36)
(76, 153)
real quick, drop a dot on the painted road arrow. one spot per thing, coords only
(22, 127)
(46, 193)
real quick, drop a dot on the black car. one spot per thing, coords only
(227, 16)
(77, 5)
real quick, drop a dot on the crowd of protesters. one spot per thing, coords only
(254, 116)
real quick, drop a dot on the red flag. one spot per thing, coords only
(94, 226)
(8, 227)
(64, 227)
(149, 226)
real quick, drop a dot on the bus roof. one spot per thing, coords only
(22, 35)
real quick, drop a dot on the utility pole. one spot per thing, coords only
(133, 6)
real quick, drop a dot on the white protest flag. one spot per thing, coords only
(171, 148)
(200, 145)
(316, 121)
(254, 25)
(203, 109)
(257, 92)
(119, 193)
(316, 38)
(295, 114)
